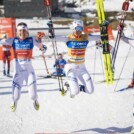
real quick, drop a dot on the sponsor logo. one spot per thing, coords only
(16, 41)
(77, 52)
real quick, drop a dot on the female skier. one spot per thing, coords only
(75, 68)
(23, 69)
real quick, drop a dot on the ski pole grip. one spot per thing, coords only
(125, 6)
(47, 2)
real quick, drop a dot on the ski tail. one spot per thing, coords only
(100, 11)
(125, 7)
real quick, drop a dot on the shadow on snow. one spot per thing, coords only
(110, 130)
(24, 92)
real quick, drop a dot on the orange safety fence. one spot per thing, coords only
(93, 29)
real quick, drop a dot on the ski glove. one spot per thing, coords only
(120, 28)
(50, 29)
(98, 43)
(39, 36)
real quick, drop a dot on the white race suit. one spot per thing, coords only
(23, 70)
(75, 68)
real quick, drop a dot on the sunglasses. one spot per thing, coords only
(79, 28)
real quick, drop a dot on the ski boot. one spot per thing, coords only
(13, 107)
(82, 88)
(66, 88)
(4, 72)
(36, 105)
(62, 92)
(8, 73)
(131, 85)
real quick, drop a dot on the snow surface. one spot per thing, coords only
(103, 112)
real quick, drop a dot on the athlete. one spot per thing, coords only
(23, 70)
(75, 68)
(59, 66)
(6, 54)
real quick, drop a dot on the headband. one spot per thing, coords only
(22, 27)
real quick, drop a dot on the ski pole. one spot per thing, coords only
(117, 42)
(44, 59)
(43, 56)
(55, 50)
(125, 7)
(122, 68)
(47, 3)
(95, 63)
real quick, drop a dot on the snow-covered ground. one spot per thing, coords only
(89, 6)
(103, 112)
